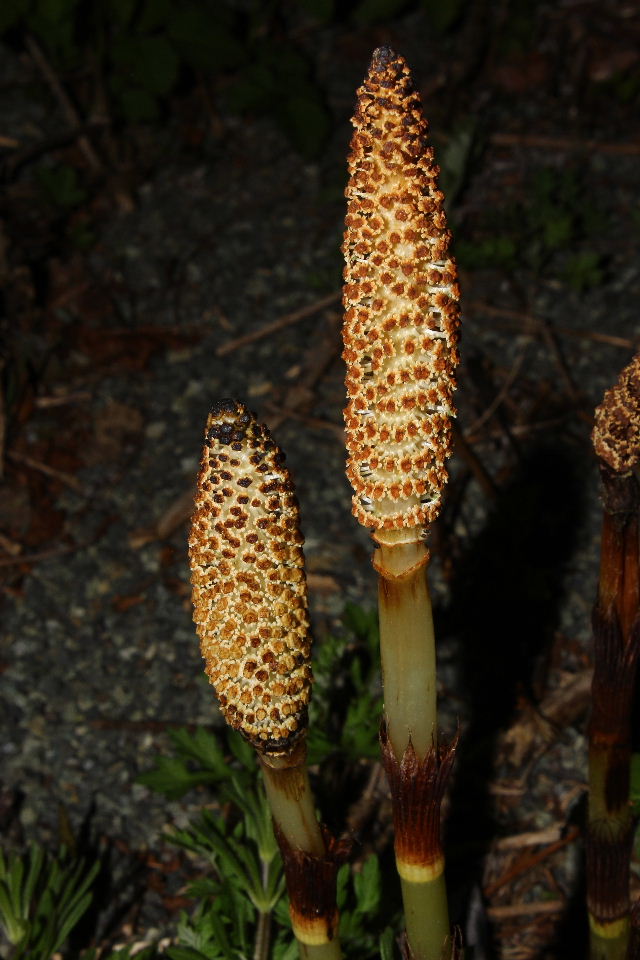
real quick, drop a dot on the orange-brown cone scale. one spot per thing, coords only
(401, 308)
(249, 587)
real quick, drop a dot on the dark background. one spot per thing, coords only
(172, 180)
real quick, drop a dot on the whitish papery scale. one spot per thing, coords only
(401, 308)
(249, 587)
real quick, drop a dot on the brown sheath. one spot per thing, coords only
(417, 788)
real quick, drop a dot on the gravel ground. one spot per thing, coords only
(98, 649)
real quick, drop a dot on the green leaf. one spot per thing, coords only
(122, 11)
(443, 14)
(71, 918)
(373, 11)
(171, 777)
(155, 15)
(54, 11)
(19, 906)
(360, 732)
(363, 623)
(368, 886)
(320, 10)
(10, 12)
(558, 231)
(306, 122)
(461, 148)
(150, 62)
(342, 881)
(138, 105)
(387, 943)
(42, 900)
(203, 747)
(187, 953)
(584, 270)
(12, 922)
(36, 862)
(204, 35)
(56, 35)
(242, 751)
(497, 252)
(634, 786)
(61, 186)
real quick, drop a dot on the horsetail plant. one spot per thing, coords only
(251, 614)
(616, 631)
(400, 347)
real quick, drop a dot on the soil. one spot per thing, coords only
(125, 315)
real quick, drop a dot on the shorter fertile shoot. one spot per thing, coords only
(616, 630)
(400, 346)
(251, 614)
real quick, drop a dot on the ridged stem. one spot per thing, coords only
(291, 801)
(417, 769)
(616, 636)
(310, 869)
(407, 646)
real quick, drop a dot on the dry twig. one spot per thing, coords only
(285, 321)
(67, 107)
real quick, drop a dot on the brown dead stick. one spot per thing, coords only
(527, 323)
(26, 558)
(550, 337)
(529, 860)
(465, 450)
(564, 143)
(177, 513)
(319, 358)
(279, 324)
(277, 415)
(37, 55)
(512, 911)
(66, 478)
(34, 151)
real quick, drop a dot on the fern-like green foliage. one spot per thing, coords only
(239, 888)
(550, 227)
(346, 705)
(199, 759)
(42, 898)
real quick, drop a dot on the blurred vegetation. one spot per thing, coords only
(129, 62)
(139, 54)
(547, 229)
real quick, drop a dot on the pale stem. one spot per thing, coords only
(291, 801)
(407, 647)
(408, 653)
(321, 951)
(426, 917)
